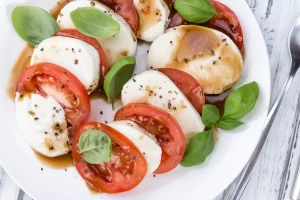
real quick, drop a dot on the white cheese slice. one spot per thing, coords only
(42, 122)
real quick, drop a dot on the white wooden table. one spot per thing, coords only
(275, 18)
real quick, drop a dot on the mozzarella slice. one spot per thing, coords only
(210, 56)
(154, 15)
(142, 140)
(76, 56)
(155, 88)
(42, 122)
(122, 44)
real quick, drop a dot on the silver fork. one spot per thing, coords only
(236, 189)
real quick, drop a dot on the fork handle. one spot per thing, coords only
(296, 187)
(236, 189)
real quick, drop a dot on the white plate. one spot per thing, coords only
(203, 182)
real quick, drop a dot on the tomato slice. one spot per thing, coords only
(188, 85)
(177, 20)
(125, 170)
(48, 79)
(227, 23)
(163, 126)
(73, 33)
(125, 9)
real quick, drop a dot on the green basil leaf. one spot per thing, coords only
(196, 11)
(117, 77)
(198, 148)
(33, 24)
(228, 124)
(94, 23)
(210, 115)
(95, 147)
(241, 101)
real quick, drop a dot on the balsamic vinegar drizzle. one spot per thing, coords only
(61, 162)
(23, 61)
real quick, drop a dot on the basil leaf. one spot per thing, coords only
(241, 101)
(198, 148)
(228, 124)
(95, 147)
(117, 77)
(210, 115)
(33, 24)
(196, 11)
(94, 23)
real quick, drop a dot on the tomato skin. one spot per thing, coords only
(226, 23)
(188, 85)
(172, 142)
(125, 9)
(74, 33)
(119, 182)
(76, 115)
(177, 20)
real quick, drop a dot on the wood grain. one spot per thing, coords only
(275, 18)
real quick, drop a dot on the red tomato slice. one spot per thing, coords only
(227, 23)
(49, 79)
(125, 9)
(125, 170)
(73, 33)
(163, 126)
(177, 20)
(188, 85)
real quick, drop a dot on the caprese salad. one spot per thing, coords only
(165, 120)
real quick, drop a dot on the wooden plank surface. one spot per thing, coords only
(275, 18)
